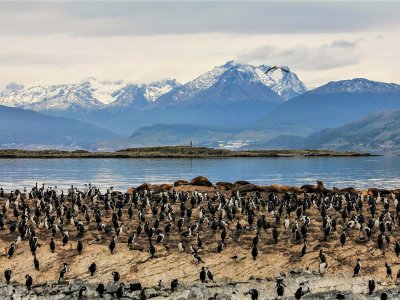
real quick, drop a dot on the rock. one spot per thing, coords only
(200, 181)
(180, 182)
(144, 186)
(39, 290)
(131, 190)
(248, 188)
(240, 183)
(284, 188)
(164, 187)
(348, 190)
(308, 188)
(382, 192)
(226, 186)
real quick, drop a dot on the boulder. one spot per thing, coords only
(164, 187)
(200, 181)
(240, 183)
(284, 188)
(144, 186)
(131, 190)
(226, 186)
(180, 182)
(382, 192)
(348, 190)
(248, 188)
(308, 188)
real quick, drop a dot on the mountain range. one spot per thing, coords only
(234, 105)
(22, 128)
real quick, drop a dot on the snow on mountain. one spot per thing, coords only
(88, 94)
(93, 93)
(102, 90)
(55, 97)
(285, 84)
(155, 89)
(357, 85)
(138, 96)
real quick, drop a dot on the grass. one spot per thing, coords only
(173, 152)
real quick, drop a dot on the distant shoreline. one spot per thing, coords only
(175, 152)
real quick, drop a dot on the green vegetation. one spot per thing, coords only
(172, 152)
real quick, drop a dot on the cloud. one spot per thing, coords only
(337, 54)
(154, 18)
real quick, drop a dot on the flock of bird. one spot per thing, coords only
(198, 220)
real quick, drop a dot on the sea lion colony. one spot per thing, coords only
(309, 226)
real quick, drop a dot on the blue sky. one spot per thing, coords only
(57, 42)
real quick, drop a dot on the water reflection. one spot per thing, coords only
(360, 172)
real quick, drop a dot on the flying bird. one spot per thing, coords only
(274, 68)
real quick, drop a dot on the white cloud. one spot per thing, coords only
(48, 43)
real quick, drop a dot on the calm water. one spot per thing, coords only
(359, 172)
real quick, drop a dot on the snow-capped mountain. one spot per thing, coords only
(89, 94)
(138, 96)
(285, 84)
(357, 85)
(233, 82)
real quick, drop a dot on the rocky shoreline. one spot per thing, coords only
(235, 271)
(326, 288)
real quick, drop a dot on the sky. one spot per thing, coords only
(43, 43)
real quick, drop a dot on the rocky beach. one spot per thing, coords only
(234, 268)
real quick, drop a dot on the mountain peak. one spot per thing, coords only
(357, 85)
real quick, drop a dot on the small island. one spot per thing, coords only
(174, 152)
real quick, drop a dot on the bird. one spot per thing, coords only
(28, 281)
(254, 252)
(36, 262)
(120, 291)
(174, 284)
(371, 286)
(52, 245)
(63, 271)
(210, 275)
(280, 289)
(112, 244)
(340, 296)
(197, 258)
(92, 268)
(152, 250)
(357, 268)
(79, 247)
(343, 238)
(116, 276)
(203, 274)
(100, 289)
(274, 68)
(388, 270)
(304, 249)
(181, 246)
(397, 248)
(384, 296)
(253, 293)
(11, 250)
(300, 292)
(82, 291)
(7, 276)
(322, 268)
